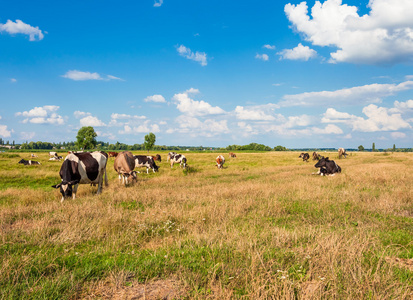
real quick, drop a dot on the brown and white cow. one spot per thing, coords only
(232, 154)
(342, 152)
(32, 155)
(178, 158)
(170, 155)
(146, 161)
(113, 154)
(220, 161)
(316, 156)
(305, 156)
(82, 168)
(124, 165)
(157, 157)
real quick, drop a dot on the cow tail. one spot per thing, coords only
(106, 179)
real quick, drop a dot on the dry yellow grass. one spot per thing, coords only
(263, 227)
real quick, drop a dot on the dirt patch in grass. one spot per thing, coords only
(401, 262)
(152, 290)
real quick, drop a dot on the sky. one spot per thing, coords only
(333, 73)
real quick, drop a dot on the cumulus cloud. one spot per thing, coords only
(192, 107)
(91, 121)
(378, 119)
(144, 128)
(388, 28)
(11, 27)
(155, 98)
(402, 106)
(398, 135)
(255, 113)
(81, 76)
(298, 53)
(81, 114)
(263, 57)
(126, 117)
(42, 115)
(269, 47)
(158, 3)
(4, 131)
(200, 57)
(195, 127)
(372, 93)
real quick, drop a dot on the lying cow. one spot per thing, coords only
(170, 155)
(124, 165)
(33, 155)
(52, 154)
(178, 158)
(316, 156)
(220, 161)
(327, 167)
(304, 156)
(28, 162)
(146, 161)
(342, 152)
(82, 168)
(56, 158)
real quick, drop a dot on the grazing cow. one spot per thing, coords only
(327, 167)
(220, 161)
(28, 162)
(145, 161)
(113, 154)
(33, 155)
(124, 165)
(178, 158)
(170, 155)
(342, 152)
(304, 156)
(157, 157)
(232, 154)
(316, 156)
(82, 168)
(52, 154)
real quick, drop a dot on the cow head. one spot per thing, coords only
(158, 157)
(321, 163)
(22, 161)
(184, 162)
(66, 188)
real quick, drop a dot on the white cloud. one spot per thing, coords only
(378, 119)
(155, 98)
(21, 27)
(402, 106)
(298, 53)
(144, 128)
(263, 57)
(125, 116)
(42, 115)
(194, 127)
(256, 113)
(4, 132)
(200, 57)
(269, 47)
(27, 135)
(372, 93)
(81, 114)
(91, 121)
(192, 107)
(158, 3)
(388, 28)
(398, 135)
(80, 76)
(13, 80)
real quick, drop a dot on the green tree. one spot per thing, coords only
(373, 148)
(280, 148)
(361, 148)
(86, 138)
(394, 147)
(150, 139)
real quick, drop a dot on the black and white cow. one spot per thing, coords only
(56, 158)
(327, 167)
(28, 162)
(52, 154)
(82, 168)
(145, 161)
(178, 158)
(170, 155)
(305, 156)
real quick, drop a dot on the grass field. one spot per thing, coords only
(263, 227)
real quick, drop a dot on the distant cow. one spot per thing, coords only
(327, 167)
(178, 158)
(52, 154)
(113, 154)
(157, 157)
(316, 156)
(56, 158)
(146, 161)
(124, 165)
(220, 161)
(170, 155)
(33, 155)
(342, 152)
(82, 168)
(304, 156)
(231, 154)
(28, 162)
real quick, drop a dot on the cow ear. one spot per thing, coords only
(326, 157)
(56, 186)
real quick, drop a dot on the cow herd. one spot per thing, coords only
(90, 167)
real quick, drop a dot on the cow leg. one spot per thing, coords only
(100, 183)
(63, 199)
(75, 191)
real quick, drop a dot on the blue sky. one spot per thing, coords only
(299, 74)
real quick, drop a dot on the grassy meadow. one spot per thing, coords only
(263, 227)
